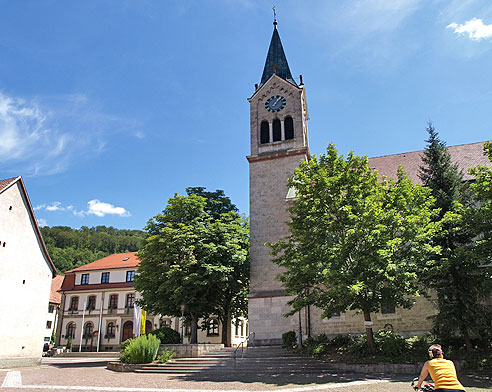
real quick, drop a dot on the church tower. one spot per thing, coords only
(279, 141)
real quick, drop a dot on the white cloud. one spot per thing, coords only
(41, 222)
(475, 29)
(55, 206)
(100, 208)
(95, 207)
(44, 135)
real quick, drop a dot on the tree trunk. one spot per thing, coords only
(223, 339)
(194, 329)
(468, 343)
(369, 334)
(226, 326)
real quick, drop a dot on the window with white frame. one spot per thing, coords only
(130, 300)
(74, 303)
(130, 276)
(70, 330)
(105, 277)
(213, 327)
(84, 279)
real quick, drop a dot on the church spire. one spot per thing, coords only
(276, 62)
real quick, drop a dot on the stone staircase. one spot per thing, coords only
(255, 360)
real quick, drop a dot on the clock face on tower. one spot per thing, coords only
(275, 103)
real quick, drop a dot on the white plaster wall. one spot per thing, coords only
(25, 278)
(51, 317)
(95, 276)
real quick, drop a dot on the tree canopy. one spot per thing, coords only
(196, 254)
(355, 238)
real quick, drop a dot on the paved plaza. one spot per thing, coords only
(90, 374)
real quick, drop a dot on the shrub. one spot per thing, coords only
(289, 339)
(124, 345)
(140, 350)
(167, 335)
(418, 346)
(342, 341)
(390, 344)
(166, 355)
(316, 349)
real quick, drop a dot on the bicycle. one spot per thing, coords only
(428, 387)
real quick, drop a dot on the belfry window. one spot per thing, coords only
(289, 128)
(277, 132)
(264, 132)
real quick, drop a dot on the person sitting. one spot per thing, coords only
(441, 370)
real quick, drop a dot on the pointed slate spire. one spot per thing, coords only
(276, 62)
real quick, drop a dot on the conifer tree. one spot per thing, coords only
(453, 273)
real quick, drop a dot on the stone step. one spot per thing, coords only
(255, 360)
(229, 370)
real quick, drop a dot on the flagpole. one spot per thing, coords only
(100, 323)
(82, 329)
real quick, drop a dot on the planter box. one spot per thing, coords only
(124, 367)
(190, 350)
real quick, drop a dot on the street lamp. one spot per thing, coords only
(182, 322)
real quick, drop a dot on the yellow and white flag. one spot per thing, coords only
(143, 318)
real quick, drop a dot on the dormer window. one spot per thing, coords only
(84, 279)
(105, 277)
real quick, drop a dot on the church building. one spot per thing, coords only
(279, 141)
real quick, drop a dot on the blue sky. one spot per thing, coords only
(109, 108)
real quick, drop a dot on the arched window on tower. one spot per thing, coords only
(264, 132)
(277, 133)
(289, 128)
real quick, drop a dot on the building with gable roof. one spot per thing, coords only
(100, 296)
(26, 272)
(53, 309)
(279, 141)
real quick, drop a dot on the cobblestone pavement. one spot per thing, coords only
(90, 374)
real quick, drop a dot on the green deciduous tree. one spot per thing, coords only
(70, 248)
(453, 273)
(355, 238)
(196, 254)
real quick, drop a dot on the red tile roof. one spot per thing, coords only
(465, 155)
(5, 183)
(56, 284)
(68, 282)
(118, 260)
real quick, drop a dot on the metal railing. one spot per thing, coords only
(251, 336)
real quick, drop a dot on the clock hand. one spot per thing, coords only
(278, 99)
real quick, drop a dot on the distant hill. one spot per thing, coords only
(70, 248)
